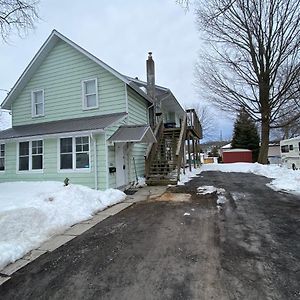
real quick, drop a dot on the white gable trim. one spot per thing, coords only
(49, 44)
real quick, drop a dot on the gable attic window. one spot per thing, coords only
(37, 98)
(89, 94)
(2, 157)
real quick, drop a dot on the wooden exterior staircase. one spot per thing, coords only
(164, 159)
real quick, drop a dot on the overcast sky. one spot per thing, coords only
(120, 33)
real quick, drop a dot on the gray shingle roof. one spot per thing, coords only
(159, 90)
(133, 133)
(62, 126)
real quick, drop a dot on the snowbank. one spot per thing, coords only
(32, 212)
(284, 179)
(188, 175)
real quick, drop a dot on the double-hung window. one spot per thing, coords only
(2, 157)
(37, 155)
(38, 103)
(31, 155)
(89, 94)
(75, 153)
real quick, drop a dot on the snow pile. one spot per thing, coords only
(188, 175)
(141, 182)
(284, 179)
(32, 212)
(209, 189)
(206, 189)
(221, 196)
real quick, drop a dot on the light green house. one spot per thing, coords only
(75, 117)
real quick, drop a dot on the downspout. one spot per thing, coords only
(95, 161)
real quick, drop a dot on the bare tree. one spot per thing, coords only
(251, 58)
(287, 124)
(184, 3)
(207, 120)
(17, 15)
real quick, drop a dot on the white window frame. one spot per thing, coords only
(84, 102)
(74, 169)
(2, 171)
(33, 104)
(30, 157)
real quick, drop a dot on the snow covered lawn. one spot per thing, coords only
(32, 212)
(283, 179)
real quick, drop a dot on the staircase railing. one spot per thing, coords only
(180, 145)
(152, 148)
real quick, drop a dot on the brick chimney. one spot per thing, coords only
(150, 76)
(155, 111)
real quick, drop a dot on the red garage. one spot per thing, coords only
(236, 155)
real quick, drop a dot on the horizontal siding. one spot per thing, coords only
(137, 108)
(51, 172)
(60, 77)
(138, 153)
(102, 162)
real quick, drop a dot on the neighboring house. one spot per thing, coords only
(74, 116)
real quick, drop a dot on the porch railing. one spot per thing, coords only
(193, 123)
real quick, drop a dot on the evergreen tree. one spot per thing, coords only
(245, 134)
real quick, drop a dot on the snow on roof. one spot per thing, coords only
(237, 150)
(291, 139)
(227, 146)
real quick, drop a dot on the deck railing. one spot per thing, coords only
(193, 123)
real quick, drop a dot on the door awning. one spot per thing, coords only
(133, 133)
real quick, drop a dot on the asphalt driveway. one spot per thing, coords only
(183, 249)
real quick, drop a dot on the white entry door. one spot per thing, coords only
(121, 171)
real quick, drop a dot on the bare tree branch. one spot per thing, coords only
(252, 59)
(207, 119)
(17, 15)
